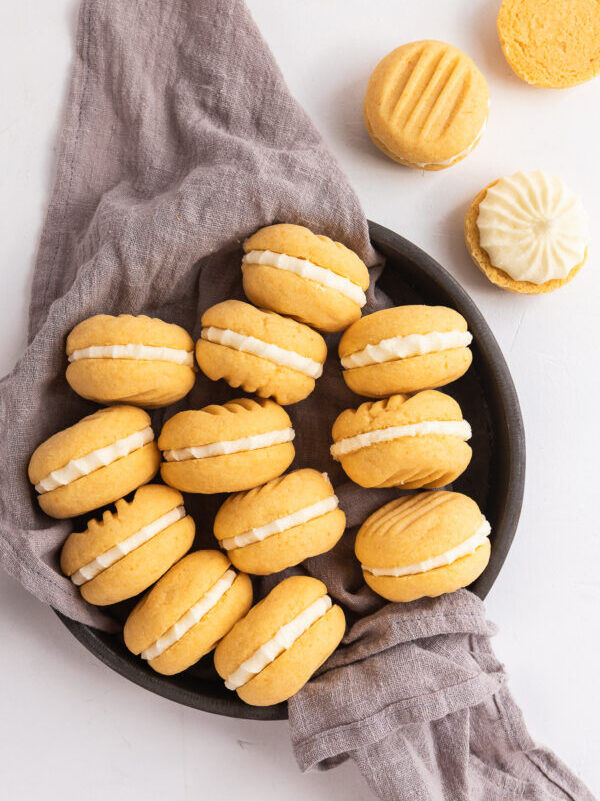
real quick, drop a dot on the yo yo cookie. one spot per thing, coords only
(528, 233)
(426, 105)
(273, 651)
(281, 523)
(187, 612)
(405, 349)
(555, 45)
(260, 351)
(307, 276)
(126, 551)
(127, 359)
(94, 462)
(227, 448)
(423, 545)
(408, 442)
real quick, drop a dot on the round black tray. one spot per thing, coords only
(495, 478)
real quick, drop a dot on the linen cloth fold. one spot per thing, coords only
(179, 139)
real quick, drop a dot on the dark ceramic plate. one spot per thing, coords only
(495, 477)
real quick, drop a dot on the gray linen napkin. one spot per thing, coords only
(179, 139)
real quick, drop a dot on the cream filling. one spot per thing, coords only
(465, 548)
(226, 447)
(261, 533)
(77, 468)
(264, 350)
(142, 352)
(306, 269)
(447, 428)
(452, 159)
(121, 549)
(284, 639)
(388, 350)
(191, 617)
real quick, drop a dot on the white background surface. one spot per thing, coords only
(68, 723)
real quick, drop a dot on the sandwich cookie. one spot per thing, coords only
(273, 651)
(187, 612)
(227, 448)
(405, 349)
(307, 276)
(94, 462)
(130, 359)
(426, 105)
(423, 545)
(408, 442)
(260, 351)
(281, 523)
(528, 233)
(126, 551)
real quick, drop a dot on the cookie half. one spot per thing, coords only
(126, 551)
(130, 359)
(273, 651)
(187, 612)
(281, 523)
(227, 448)
(409, 442)
(423, 545)
(94, 462)
(260, 351)
(405, 349)
(290, 270)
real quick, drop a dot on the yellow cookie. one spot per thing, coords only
(127, 359)
(260, 351)
(185, 615)
(408, 442)
(126, 551)
(227, 448)
(273, 651)
(281, 523)
(423, 545)
(94, 462)
(405, 349)
(527, 233)
(307, 276)
(426, 105)
(553, 44)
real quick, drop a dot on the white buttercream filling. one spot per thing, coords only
(465, 548)
(306, 269)
(102, 457)
(447, 428)
(452, 159)
(264, 350)
(394, 348)
(191, 617)
(284, 639)
(121, 549)
(142, 352)
(261, 533)
(226, 447)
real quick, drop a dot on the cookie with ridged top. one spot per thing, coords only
(409, 442)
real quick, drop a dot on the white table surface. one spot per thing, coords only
(70, 723)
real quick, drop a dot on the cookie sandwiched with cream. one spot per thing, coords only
(127, 550)
(187, 612)
(423, 545)
(274, 650)
(290, 270)
(409, 442)
(405, 349)
(130, 359)
(260, 351)
(528, 233)
(278, 525)
(227, 448)
(103, 457)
